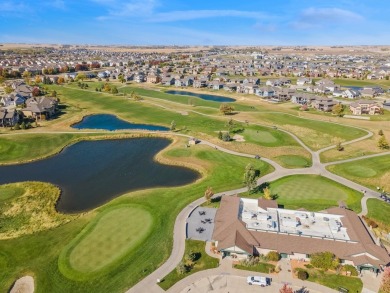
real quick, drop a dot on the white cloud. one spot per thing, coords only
(319, 17)
(197, 14)
(134, 8)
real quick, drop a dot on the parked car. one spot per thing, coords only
(257, 280)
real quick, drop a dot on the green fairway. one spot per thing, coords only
(106, 239)
(313, 193)
(371, 172)
(315, 134)
(379, 211)
(294, 161)
(17, 148)
(221, 171)
(362, 83)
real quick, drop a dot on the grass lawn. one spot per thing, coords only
(371, 172)
(106, 239)
(313, 193)
(10, 191)
(42, 250)
(17, 148)
(331, 280)
(291, 161)
(260, 267)
(361, 83)
(203, 262)
(315, 134)
(379, 211)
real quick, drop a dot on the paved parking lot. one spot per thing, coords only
(200, 224)
(233, 284)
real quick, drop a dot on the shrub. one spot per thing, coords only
(273, 256)
(324, 260)
(181, 268)
(303, 275)
(309, 266)
(350, 268)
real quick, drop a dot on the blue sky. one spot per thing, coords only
(180, 22)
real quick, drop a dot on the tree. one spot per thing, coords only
(383, 143)
(267, 193)
(121, 78)
(338, 109)
(286, 289)
(114, 90)
(220, 135)
(385, 285)
(230, 124)
(226, 136)
(36, 91)
(173, 125)
(8, 90)
(339, 147)
(106, 87)
(324, 260)
(380, 132)
(208, 194)
(135, 97)
(226, 109)
(38, 79)
(54, 94)
(81, 76)
(303, 275)
(60, 80)
(250, 177)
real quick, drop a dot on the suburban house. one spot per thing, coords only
(13, 99)
(324, 104)
(168, 81)
(371, 92)
(251, 227)
(302, 98)
(153, 78)
(40, 108)
(265, 92)
(303, 81)
(8, 118)
(199, 83)
(351, 94)
(365, 107)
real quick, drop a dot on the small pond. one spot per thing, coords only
(91, 173)
(202, 96)
(111, 122)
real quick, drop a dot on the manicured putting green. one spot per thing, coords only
(313, 192)
(267, 136)
(294, 161)
(109, 238)
(7, 192)
(360, 171)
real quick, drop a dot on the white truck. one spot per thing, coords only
(257, 280)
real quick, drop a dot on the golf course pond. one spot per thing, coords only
(111, 122)
(91, 173)
(202, 96)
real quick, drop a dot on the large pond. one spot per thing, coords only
(91, 173)
(111, 122)
(202, 96)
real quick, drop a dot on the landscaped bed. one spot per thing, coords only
(202, 261)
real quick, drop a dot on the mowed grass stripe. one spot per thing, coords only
(108, 238)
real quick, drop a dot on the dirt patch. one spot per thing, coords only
(238, 137)
(23, 285)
